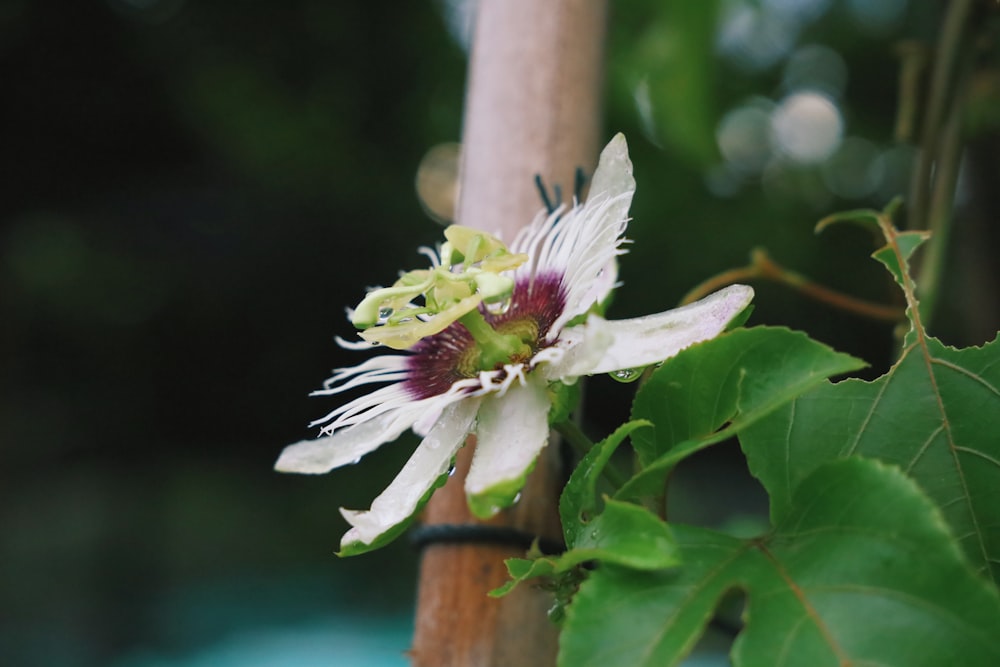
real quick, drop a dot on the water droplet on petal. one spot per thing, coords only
(516, 498)
(498, 307)
(384, 314)
(356, 461)
(451, 470)
(627, 374)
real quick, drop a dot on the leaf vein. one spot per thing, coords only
(976, 452)
(923, 449)
(967, 373)
(953, 447)
(691, 594)
(806, 605)
(863, 426)
(788, 450)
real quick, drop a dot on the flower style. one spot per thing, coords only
(497, 333)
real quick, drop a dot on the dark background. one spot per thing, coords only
(192, 193)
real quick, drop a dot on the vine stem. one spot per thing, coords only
(939, 213)
(946, 58)
(935, 176)
(761, 266)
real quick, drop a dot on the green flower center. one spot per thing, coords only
(496, 348)
(469, 274)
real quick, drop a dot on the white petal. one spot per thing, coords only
(433, 406)
(593, 234)
(430, 460)
(577, 347)
(512, 430)
(608, 346)
(581, 244)
(613, 175)
(348, 445)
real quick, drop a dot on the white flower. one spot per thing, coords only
(454, 381)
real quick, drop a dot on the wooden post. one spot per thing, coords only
(532, 107)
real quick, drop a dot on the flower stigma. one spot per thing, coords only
(469, 274)
(495, 349)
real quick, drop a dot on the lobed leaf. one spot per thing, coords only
(933, 414)
(860, 571)
(730, 381)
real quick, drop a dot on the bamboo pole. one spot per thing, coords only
(532, 107)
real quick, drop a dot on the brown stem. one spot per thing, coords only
(761, 266)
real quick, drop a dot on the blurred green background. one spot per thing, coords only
(192, 192)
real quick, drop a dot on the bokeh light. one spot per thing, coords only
(753, 39)
(806, 127)
(744, 136)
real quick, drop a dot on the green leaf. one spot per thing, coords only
(934, 414)
(866, 218)
(732, 381)
(578, 502)
(619, 533)
(623, 534)
(628, 535)
(861, 571)
(894, 255)
(521, 569)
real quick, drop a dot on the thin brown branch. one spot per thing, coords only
(761, 266)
